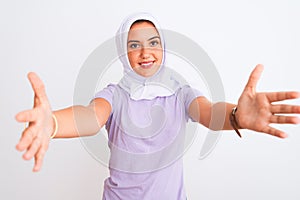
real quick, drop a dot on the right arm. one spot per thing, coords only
(78, 121)
(72, 122)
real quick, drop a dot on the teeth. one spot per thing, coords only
(146, 64)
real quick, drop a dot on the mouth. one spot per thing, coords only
(146, 64)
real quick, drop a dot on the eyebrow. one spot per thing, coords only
(154, 37)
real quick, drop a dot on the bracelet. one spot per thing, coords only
(234, 122)
(56, 126)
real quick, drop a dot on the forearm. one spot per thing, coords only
(220, 119)
(218, 116)
(215, 116)
(76, 121)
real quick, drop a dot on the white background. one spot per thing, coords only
(53, 38)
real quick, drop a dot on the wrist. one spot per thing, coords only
(237, 118)
(54, 126)
(234, 121)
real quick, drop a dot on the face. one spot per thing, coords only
(144, 49)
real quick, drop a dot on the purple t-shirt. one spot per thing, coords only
(146, 140)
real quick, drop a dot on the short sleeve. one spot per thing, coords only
(106, 93)
(188, 94)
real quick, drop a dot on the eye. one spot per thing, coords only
(154, 43)
(134, 46)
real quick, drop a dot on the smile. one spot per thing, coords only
(146, 65)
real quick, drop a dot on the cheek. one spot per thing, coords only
(132, 57)
(159, 55)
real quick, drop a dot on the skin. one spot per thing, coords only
(255, 110)
(144, 49)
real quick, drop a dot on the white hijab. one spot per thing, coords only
(165, 82)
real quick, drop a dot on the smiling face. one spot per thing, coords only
(144, 48)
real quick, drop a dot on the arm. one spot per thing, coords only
(80, 120)
(36, 137)
(213, 116)
(256, 111)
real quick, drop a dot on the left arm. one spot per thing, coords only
(213, 116)
(255, 110)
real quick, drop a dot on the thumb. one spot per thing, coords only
(37, 86)
(253, 78)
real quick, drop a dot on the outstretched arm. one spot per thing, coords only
(72, 122)
(255, 111)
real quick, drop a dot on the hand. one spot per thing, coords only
(36, 137)
(255, 111)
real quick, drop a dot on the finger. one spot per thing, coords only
(38, 165)
(37, 86)
(32, 150)
(27, 116)
(285, 109)
(254, 77)
(39, 157)
(280, 96)
(275, 132)
(280, 119)
(26, 139)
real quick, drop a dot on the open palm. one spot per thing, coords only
(35, 138)
(256, 111)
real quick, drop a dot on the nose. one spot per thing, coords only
(145, 52)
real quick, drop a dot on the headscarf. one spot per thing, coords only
(165, 82)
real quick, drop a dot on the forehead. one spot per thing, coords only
(142, 31)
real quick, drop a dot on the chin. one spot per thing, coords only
(145, 74)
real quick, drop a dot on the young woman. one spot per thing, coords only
(145, 116)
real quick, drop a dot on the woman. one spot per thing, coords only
(145, 116)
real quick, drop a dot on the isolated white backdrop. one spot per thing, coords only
(53, 38)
